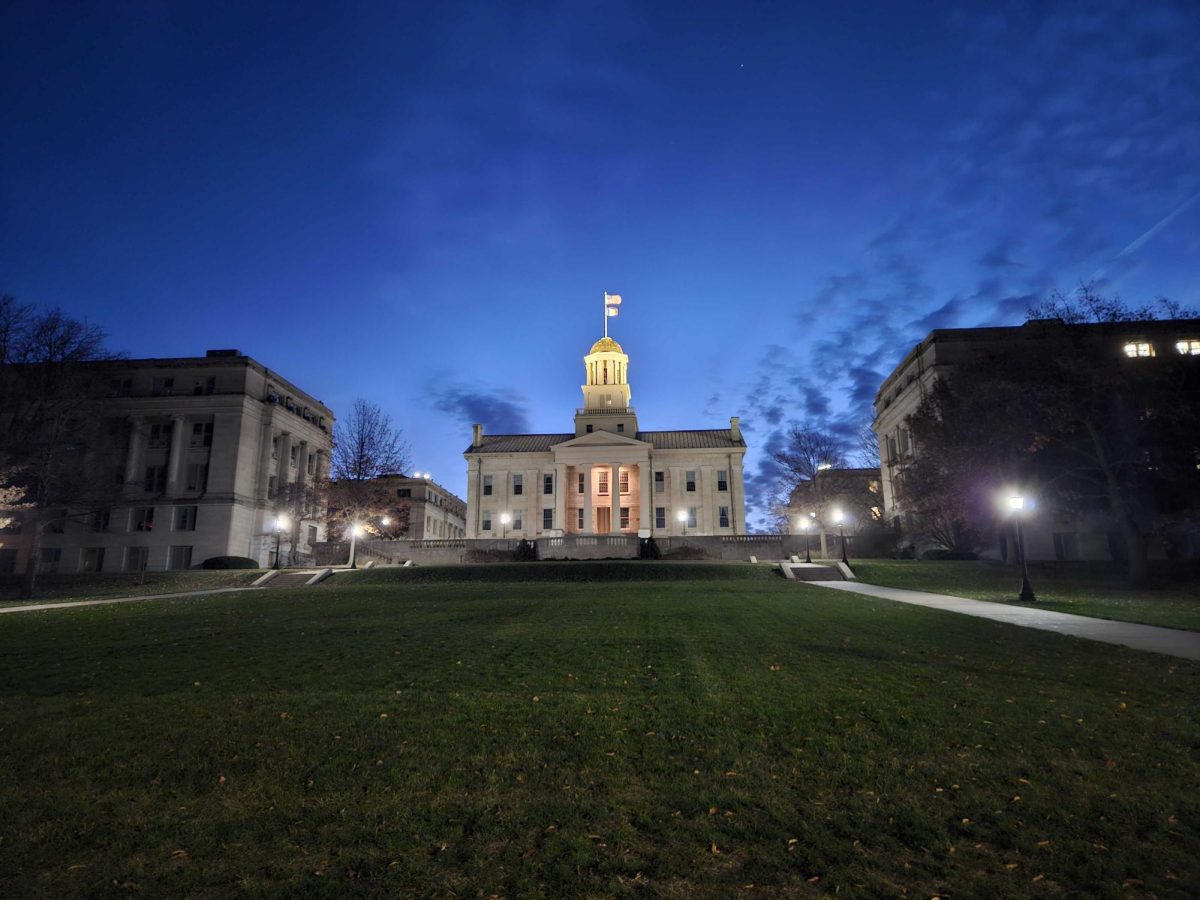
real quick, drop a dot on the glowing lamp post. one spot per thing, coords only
(803, 523)
(385, 522)
(840, 518)
(355, 531)
(505, 518)
(281, 522)
(682, 517)
(1018, 506)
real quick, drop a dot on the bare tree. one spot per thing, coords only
(866, 453)
(366, 444)
(47, 426)
(806, 453)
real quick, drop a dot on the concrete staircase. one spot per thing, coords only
(293, 578)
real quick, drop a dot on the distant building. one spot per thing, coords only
(203, 451)
(433, 514)
(608, 477)
(1132, 343)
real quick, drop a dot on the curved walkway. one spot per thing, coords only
(1170, 641)
(104, 601)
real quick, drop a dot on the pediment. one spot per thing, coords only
(601, 439)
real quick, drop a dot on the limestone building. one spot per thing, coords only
(203, 453)
(434, 514)
(608, 477)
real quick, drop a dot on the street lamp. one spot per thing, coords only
(355, 531)
(281, 522)
(1016, 503)
(682, 517)
(840, 518)
(803, 522)
(505, 518)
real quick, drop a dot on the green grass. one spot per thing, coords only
(684, 738)
(93, 585)
(1086, 589)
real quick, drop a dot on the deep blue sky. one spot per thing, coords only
(422, 204)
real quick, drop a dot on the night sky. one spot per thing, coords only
(422, 204)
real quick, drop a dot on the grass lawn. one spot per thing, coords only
(93, 585)
(1094, 589)
(401, 733)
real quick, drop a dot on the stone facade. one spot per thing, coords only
(203, 450)
(433, 512)
(608, 477)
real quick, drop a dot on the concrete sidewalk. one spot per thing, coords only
(1170, 641)
(34, 607)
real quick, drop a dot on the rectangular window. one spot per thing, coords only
(603, 483)
(660, 482)
(143, 518)
(8, 561)
(159, 437)
(201, 434)
(204, 386)
(624, 516)
(518, 521)
(548, 517)
(903, 440)
(92, 559)
(589, 429)
(180, 558)
(582, 483)
(136, 558)
(620, 428)
(623, 480)
(723, 516)
(689, 478)
(1139, 348)
(486, 523)
(197, 477)
(518, 484)
(403, 492)
(691, 517)
(312, 535)
(579, 511)
(185, 518)
(99, 519)
(155, 481)
(722, 480)
(660, 517)
(50, 558)
(1190, 347)
(162, 387)
(547, 484)
(487, 485)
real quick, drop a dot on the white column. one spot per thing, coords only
(589, 523)
(137, 443)
(175, 455)
(614, 498)
(674, 526)
(645, 486)
(560, 497)
(264, 460)
(302, 464)
(707, 486)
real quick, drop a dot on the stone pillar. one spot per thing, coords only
(645, 487)
(302, 464)
(264, 460)
(614, 498)
(708, 499)
(283, 472)
(175, 455)
(737, 502)
(137, 444)
(678, 495)
(589, 523)
(560, 496)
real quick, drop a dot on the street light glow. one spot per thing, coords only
(681, 516)
(385, 521)
(505, 518)
(1016, 503)
(281, 522)
(356, 530)
(838, 516)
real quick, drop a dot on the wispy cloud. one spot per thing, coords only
(499, 414)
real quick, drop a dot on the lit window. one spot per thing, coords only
(581, 482)
(691, 517)
(1190, 347)
(624, 481)
(1139, 348)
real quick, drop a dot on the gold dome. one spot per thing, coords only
(606, 345)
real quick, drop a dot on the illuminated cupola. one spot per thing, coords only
(606, 405)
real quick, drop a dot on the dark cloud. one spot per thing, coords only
(498, 414)
(1001, 256)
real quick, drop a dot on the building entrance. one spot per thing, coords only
(603, 520)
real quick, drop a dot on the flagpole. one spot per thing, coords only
(606, 313)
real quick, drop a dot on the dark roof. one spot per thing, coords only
(714, 438)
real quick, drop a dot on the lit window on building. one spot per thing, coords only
(1190, 347)
(1135, 349)
(624, 481)
(603, 483)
